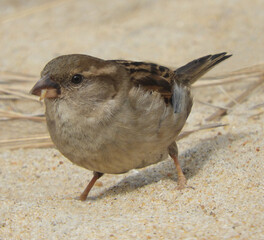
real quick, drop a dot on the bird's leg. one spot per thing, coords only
(181, 178)
(173, 152)
(86, 191)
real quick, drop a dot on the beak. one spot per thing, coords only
(46, 88)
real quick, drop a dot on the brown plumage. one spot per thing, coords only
(158, 78)
(110, 116)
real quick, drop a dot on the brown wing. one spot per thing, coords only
(150, 76)
(160, 79)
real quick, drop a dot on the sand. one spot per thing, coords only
(224, 166)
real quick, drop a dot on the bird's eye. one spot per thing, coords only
(77, 79)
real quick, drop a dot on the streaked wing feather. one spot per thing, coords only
(153, 77)
(150, 76)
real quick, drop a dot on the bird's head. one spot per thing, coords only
(81, 79)
(75, 86)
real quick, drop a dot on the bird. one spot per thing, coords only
(111, 116)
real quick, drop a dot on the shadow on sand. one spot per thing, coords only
(192, 160)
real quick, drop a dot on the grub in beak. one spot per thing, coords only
(46, 88)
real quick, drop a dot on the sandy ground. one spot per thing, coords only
(38, 187)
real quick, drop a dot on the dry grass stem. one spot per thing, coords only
(27, 142)
(257, 106)
(18, 94)
(254, 70)
(248, 74)
(227, 94)
(9, 97)
(211, 105)
(185, 134)
(16, 115)
(238, 99)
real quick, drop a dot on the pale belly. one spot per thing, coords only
(115, 161)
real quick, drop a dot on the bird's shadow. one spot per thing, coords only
(192, 161)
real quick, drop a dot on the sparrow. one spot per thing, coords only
(111, 116)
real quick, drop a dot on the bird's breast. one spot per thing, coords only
(136, 136)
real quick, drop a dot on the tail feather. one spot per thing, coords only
(195, 69)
